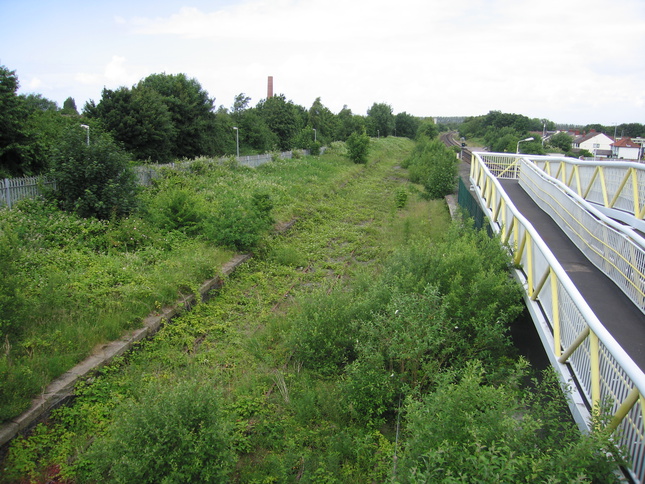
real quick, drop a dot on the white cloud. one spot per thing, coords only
(550, 59)
(34, 83)
(115, 71)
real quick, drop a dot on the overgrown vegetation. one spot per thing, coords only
(367, 344)
(93, 179)
(432, 165)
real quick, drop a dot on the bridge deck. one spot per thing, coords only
(617, 312)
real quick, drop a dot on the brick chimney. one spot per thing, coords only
(270, 88)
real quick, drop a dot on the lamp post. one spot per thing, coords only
(237, 140)
(517, 151)
(314, 135)
(85, 126)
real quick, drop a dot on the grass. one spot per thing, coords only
(291, 416)
(347, 222)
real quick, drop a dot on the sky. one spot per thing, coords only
(569, 61)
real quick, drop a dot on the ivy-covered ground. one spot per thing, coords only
(368, 343)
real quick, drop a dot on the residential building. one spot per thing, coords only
(626, 149)
(599, 144)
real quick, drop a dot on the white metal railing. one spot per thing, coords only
(579, 347)
(613, 185)
(13, 190)
(614, 249)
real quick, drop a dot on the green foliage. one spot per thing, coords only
(380, 120)
(18, 382)
(191, 112)
(11, 300)
(320, 118)
(140, 119)
(434, 166)
(427, 129)
(174, 435)
(177, 209)
(94, 180)
(401, 198)
(282, 118)
(325, 353)
(358, 146)
(562, 141)
(12, 134)
(348, 123)
(406, 125)
(470, 431)
(238, 222)
(69, 107)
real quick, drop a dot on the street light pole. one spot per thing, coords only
(85, 126)
(517, 151)
(314, 135)
(237, 140)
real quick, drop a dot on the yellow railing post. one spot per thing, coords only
(620, 187)
(624, 408)
(593, 179)
(603, 184)
(555, 305)
(529, 258)
(637, 202)
(520, 249)
(584, 334)
(594, 355)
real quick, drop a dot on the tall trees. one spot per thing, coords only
(322, 120)
(191, 110)
(29, 126)
(12, 135)
(139, 119)
(348, 123)
(282, 117)
(380, 120)
(406, 125)
(69, 107)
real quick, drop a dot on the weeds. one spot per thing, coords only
(300, 363)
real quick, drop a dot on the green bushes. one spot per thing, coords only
(471, 431)
(434, 166)
(10, 295)
(95, 179)
(173, 435)
(358, 145)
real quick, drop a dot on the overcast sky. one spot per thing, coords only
(571, 61)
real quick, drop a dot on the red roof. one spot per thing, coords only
(625, 143)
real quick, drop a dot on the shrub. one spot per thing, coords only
(10, 297)
(468, 431)
(314, 148)
(94, 180)
(174, 435)
(358, 146)
(177, 209)
(239, 223)
(434, 166)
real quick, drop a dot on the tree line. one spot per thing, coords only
(171, 116)
(501, 132)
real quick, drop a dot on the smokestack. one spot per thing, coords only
(270, 88)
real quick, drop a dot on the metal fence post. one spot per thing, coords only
(7, 192)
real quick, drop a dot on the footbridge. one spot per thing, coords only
(575, 230)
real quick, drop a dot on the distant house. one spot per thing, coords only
(626, 149)
(597, 143)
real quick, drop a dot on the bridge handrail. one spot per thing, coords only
(616, 250)
(578, 344)
(617, 185)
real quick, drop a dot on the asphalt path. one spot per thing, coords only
(614, 309)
